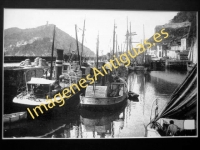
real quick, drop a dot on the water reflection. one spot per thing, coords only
(102, 124)
(150, 86)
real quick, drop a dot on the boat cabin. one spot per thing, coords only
(117, 89)
(40, 87)
(66, 67)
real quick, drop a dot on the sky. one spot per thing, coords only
(97, 22)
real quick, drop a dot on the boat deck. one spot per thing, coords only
(152, 133)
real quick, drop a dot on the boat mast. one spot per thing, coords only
(97, 53)
(114, 40)
(143, 43)
(82, 42)
(52, 49)
(130, 44)
(70, 47)
(127, 37)
(70, 53)
(110, 52)
(97, 50)
(121, 49)
(118, 50)
(116, 45)
(77, 45)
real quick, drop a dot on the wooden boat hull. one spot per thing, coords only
(160, 131)
(130, 68)
(85, 113)
(102, 103)
(14, 117)
(69, 103)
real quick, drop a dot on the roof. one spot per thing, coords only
(40, 81)
(153, 47)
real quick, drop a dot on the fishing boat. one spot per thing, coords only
(14, 117)
(138, 63)
(182, 109)
(136, 68)
(105, 96)
(41, 91)
(36, 91)
(108, 95)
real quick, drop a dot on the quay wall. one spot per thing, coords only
(176, 64)
(9, 59)
(13, 80)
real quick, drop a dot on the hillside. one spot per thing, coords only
(38, 42)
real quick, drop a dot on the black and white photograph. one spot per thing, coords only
(99, 74)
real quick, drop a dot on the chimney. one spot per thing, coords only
(59, 63)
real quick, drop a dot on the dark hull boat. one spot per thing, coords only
(132, 96)
(97, 98)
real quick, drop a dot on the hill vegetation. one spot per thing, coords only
(190, 16)
(38, 42)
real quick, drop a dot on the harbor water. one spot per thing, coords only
(127, 122)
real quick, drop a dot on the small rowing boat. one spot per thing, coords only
(13, 117)
(132, 95)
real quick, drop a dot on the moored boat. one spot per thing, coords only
(192, 56)
(133, 96)
(39, 93)
(108, 97)
(36, 91)
(14, 117)
(136, 68)
(181, 109)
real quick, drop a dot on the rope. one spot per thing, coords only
(42, 136)
(52, 131)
